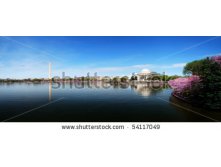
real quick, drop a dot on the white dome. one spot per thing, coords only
(145, 71)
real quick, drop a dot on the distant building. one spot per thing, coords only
(98, 78)
(146, 75)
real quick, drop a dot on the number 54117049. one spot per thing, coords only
(145, 126)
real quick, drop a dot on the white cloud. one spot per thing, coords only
(122, 68)
(177, 65)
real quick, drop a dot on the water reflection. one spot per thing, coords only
(90, 101)
(147, 89)
(50, 91)
(143, 89)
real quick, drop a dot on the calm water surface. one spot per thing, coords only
(87, 103)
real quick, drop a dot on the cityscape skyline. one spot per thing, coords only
(28, 57)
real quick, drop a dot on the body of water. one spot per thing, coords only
(87, 102)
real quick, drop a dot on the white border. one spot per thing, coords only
(45, 144)
(110, 17)
(176, 144)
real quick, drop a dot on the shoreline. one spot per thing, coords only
(185, 103)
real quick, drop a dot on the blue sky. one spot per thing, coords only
(28, 57)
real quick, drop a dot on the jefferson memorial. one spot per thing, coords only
(145, 75)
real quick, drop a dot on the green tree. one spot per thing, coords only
(193, 67)
(124, 79)
(116, 79)
(106, 79)
(133, 78)
(36, 80)
(208, 92)
(173, 77)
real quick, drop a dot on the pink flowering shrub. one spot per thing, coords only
(216, 59)
(183, 85)
(204, 87)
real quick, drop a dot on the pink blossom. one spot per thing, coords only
(216, 59)
(181, 84)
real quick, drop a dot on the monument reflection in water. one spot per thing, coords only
(89, 102)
